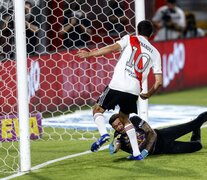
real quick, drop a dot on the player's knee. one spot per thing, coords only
(198, 146)
(97, 109)
(124, 118)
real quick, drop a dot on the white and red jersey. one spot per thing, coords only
(136, 59)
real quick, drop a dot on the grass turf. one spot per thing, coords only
(195, 97)
(101, 165)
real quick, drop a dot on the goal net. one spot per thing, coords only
(62, 87)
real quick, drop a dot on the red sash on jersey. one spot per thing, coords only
(135, 43)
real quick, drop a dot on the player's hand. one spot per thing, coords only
(144, 96)
(111, 148)
(144, 153)
(83, 54)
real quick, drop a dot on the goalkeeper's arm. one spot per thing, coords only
(115, 146)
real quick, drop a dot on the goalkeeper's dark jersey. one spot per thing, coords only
(166, 138)
(141, 136)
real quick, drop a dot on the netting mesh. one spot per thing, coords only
(59, 82)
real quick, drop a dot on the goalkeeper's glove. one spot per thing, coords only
(112, 149)
(144, 153)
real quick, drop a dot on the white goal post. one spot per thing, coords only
(44, 87)
(142, 104)
(22, 86)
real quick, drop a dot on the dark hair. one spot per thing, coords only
(191, 25)
(190, 16)
(113, 118)
(171, 1)
(145, 28)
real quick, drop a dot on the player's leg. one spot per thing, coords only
(99, 119)
(128, 104)
(177, 131)
(183, 147)
(106, 101)
(100, 122)
(130, 131)
(196, 133)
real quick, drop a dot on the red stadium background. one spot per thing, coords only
(61, 79)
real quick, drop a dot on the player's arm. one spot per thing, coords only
(32, 27)
(98, 52)
(85, 29)
(115, 146)
(157, 84)
(4, 22)
(151, 136)
(68, 27)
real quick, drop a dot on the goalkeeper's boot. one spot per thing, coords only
(96, 145)
(137, 158)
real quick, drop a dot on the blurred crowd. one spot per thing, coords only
(172, 22)
(78, 27)
(7, 30)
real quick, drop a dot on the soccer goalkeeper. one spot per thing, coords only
(137, 57)
(157, 141)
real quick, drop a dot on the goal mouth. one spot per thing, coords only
(59, 83)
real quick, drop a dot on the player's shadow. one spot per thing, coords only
(120, 159)
(125, 158)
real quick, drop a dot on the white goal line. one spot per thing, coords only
(51, 162)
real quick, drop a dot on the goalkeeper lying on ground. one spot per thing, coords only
(157, 141)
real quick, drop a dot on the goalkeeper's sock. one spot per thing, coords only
(129, 128)
(100, 122)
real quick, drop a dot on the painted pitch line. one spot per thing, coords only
(57, 160)
(51, 162)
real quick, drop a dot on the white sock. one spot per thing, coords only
(100, 122)
(129, 128)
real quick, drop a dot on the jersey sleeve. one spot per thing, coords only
(123, 42)
(157, 67)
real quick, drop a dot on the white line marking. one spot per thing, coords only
(171, 114)
(51, 162)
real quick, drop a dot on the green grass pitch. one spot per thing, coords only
(103, 166)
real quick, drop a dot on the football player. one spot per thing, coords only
(157, 141)
(137, 57)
